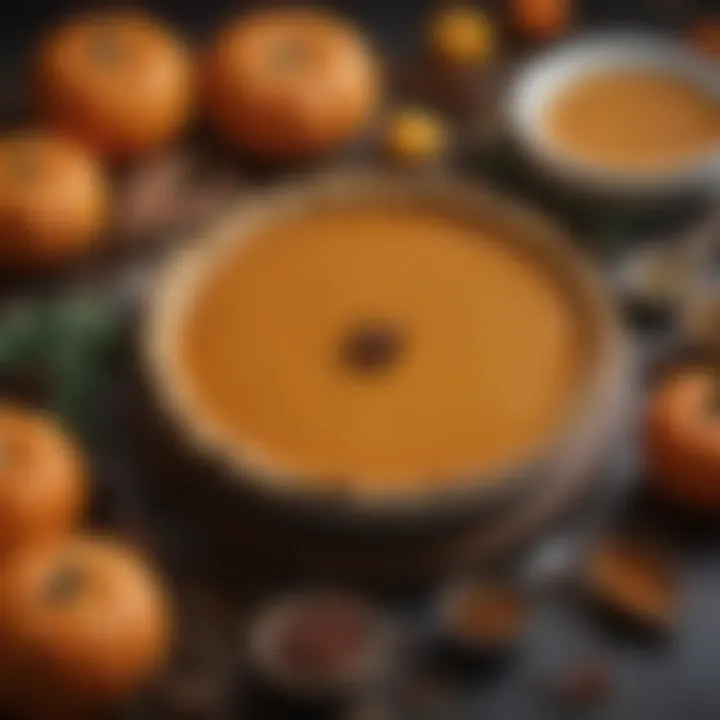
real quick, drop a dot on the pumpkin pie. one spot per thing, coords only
(377, 344)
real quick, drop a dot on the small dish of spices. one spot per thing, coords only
(482, 618)
(321, 646)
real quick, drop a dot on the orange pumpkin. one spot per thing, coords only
(682, 437)
(120, 82)
(53, 200)
(540, 20)
(83, 623)
(42, 479)
(289, 83)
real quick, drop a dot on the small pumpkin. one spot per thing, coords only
(54, 200)
(285, 84)
(120, 82)
(461, 35)
(682, 439)
(83, 623)
(540, 20)
(414, 136)
(42, 479)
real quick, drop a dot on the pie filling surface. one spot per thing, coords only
(634, 120)
(386, 346)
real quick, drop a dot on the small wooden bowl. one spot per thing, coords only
(299, 667)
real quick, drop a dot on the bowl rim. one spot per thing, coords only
(583, 56)
(162, 312)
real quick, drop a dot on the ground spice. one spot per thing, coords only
(323, 638)
(488, 614)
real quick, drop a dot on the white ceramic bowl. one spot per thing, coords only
(536, 83)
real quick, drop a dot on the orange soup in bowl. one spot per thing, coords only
(634, 120)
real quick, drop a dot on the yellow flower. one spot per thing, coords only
(415, 135)
(462, 35)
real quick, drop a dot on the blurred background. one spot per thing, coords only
(535, 647)
(394, 23)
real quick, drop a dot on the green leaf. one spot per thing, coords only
(20, 325)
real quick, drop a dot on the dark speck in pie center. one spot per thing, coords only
(371, 348)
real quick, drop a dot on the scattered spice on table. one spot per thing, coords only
(588, 683)
(491, 615)
(634, 581)
(189, 697)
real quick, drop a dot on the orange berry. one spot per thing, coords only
(541, 19)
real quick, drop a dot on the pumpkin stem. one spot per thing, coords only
(64, 584)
